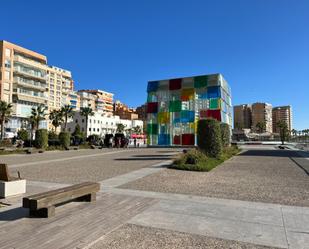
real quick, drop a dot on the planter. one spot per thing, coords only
(10, 188)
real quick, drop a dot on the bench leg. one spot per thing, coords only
(43, 212)
(89, 198)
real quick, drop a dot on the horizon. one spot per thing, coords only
(262, 50)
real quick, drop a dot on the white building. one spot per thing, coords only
(100, 124)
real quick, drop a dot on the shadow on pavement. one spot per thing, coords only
(271, 153)
(14, 214)
(151, 155)
(142, 158)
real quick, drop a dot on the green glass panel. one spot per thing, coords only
(200, 81)
(152, 129)
(214, 104)
(175, 106)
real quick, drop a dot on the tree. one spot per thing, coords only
(225, 134)
(37, 114)
(67, 112)
(22, 134)
(5, 114)
(261, 126)
(56, 116)
(137, 130)
(283, 130)
(86, 112)
(209, 137)
(120, 128)
(294, 132)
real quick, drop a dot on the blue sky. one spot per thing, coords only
(261, 47)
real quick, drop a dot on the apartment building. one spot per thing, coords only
(23, 82)
(124, 112)
(262, 113)
(98, 100)
(74, 100)
(60, 86)
(174, 107)
(282, 113)
(242, 117)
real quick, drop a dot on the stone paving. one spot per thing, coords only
(128, 218)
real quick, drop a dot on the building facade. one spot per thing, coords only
(262, 113)
(282, 113)
(23, 82)
(124, 112)
(98, 100)
(242, 117)
(100, 124)
(175, 105)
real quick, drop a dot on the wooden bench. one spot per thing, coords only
(43, 204)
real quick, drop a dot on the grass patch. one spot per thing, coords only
(9, 152)
(195, 160)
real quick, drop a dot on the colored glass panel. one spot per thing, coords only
(216, 114)
(152, 107)
(187, 116)
(200, 81)
(214, 104)
(175, 106)
(176, 139)
(187, 94)
(163, 117)
(152, 129)
(187, 139)
(175, 84)
(164, 139)
(152, 86)
(213, 92)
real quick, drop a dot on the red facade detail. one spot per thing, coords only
(216, 114)
(175, 84)
(152, 107)
(187, 139)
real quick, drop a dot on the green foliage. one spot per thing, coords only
(209, 137)
(65, 139)
(56, 116)
(120, 128)
(283, 130)
(37, 114)
(196, 160)
(52, 135)
(23, 134)
(41, 139)
(225, 134)
(5, 114)
(93, 139)
(66, 112)
(261, 127)
(137, 130)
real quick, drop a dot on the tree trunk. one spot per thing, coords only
(2, 129)
(86, 125)
(65, 122)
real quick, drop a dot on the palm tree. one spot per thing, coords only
(56, 116)
(120, 128)
(37, 114)
(67, 112)
(261, 127)
(5, 114)
(86, 112)
(283, 130)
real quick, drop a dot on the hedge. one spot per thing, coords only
(65, 139)
(225, 134)
(41, 139)
(209, 137)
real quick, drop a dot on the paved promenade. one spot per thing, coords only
(136, 218)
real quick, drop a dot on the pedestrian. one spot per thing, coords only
(135, 142)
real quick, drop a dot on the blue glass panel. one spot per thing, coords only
(213, 92)
(164, 139)
(152, 86)
(187, 116)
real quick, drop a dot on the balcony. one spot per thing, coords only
(29, 62)
(31, 96)
(30, 83)
(29, 72)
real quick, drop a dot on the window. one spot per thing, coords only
(83, 120)
(83, 129)
(7, 63)
(76, 120)
(93, 129)
(94, 121)
(89, 120)
(7, 75)
(98, 130)
(8, 52)
(107, 123)
(89, 129)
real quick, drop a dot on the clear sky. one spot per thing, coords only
(260, 46)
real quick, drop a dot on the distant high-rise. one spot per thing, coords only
(242, 117)
(262, 113)
(282, 113)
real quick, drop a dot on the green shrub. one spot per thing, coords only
(78, 136)
(65, 139)
(209, 137)
(41, 139)
(23, 134)
(52, 135)
(225, 134)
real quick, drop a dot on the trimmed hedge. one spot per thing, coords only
(225, 134)
(41, 139)
(23, 134)
(65, 139)
(209, 137)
